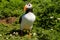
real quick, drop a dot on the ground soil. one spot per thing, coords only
(8, 20)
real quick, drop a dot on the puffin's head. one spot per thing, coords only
(28, 6)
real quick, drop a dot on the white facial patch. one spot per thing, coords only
(29, 5)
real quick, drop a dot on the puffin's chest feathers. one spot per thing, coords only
(30, 17)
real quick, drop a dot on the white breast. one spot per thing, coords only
(27, 21)
(30, 17)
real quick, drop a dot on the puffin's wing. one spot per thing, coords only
(20, 19)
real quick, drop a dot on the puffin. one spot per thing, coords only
(27, 19)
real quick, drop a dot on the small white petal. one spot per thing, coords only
(0, 35)
(13, 32)
(16, 33)
(51, 17)
(51, 29)
(10, 34)
(58, 18)
(34, 34)
(6, 38)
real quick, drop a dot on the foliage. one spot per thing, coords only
(47, 24)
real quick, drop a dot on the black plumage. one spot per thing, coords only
(20, 19)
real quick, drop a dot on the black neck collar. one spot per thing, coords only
(29, 10)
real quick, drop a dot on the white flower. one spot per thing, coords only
(6, 38)
(51, 17)
(13, 32)
(0, 35)
(10, 34)
(16, 33)
(51, 29)
(58, 18)
(34, 34)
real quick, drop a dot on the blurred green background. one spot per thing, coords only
(46, 26)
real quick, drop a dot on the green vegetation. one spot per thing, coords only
(46, 26)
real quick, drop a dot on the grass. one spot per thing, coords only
(41, 34)
(7, 32)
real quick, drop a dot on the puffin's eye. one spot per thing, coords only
(29, 4)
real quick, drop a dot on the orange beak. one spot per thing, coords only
(25, 8)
